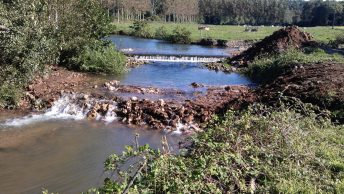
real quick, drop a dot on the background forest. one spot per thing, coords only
(234, 12)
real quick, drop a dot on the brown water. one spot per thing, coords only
(63, 156)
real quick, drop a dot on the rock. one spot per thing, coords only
(85, 97)
(107, 84)
(195, 128)
(115, 82)
(196, 85)
(111, 88)
(104, 108)
(30, 87)
(92, 115)
(161, 102)
(134, 98)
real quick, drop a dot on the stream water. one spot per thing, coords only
(61, 151)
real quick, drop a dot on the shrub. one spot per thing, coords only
(103, 59)
(260, 150)
(180, 35)
(25, 48)
(9, 96)
(161, 33)
(140, 29)
(338, 42)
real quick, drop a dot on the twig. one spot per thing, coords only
(135, 177)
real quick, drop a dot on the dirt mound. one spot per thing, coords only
(279, 41)
(320, 84)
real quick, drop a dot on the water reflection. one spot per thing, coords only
(151, 46)
(63, 157)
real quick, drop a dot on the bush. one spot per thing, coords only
(180, 35)
(104, 59)
(161, 33)
(140, 29)
(9, 96)
(260, 150)
(268, 68)
(25, 48)
(338, 42)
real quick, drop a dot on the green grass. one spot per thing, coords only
(226, 32)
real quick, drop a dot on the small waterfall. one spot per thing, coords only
(68, 107)
(174, 58)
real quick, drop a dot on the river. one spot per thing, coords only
(61, 151)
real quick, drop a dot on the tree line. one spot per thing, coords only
(234, 12)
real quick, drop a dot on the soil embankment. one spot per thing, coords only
(278, 42)
(320, 84)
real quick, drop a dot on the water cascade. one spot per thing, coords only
(69, 106)
(180, 58)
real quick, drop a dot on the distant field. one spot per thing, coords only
(226, 32)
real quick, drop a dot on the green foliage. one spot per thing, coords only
(82, 27)
(268, 68)
(161, 33)
(24, 49)
(180, 35)
(338, 42)
(104, 59)
(260, 150)
(42, 33)
(141, 29)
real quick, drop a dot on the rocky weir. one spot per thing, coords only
(172, 115)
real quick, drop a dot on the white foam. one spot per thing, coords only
(66, 108)
(190, 59)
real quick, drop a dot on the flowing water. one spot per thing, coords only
(61, 151)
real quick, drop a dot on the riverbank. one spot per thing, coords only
(286, 135)
(230, 33)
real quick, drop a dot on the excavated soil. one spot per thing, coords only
(43, 91)
(279, 41)
(320, 84)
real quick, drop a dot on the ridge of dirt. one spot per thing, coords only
(279, 41)
(320, 84)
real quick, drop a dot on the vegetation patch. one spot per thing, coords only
(259, 150)
(33, 39)
(102, 60)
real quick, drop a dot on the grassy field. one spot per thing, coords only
(323, 34)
